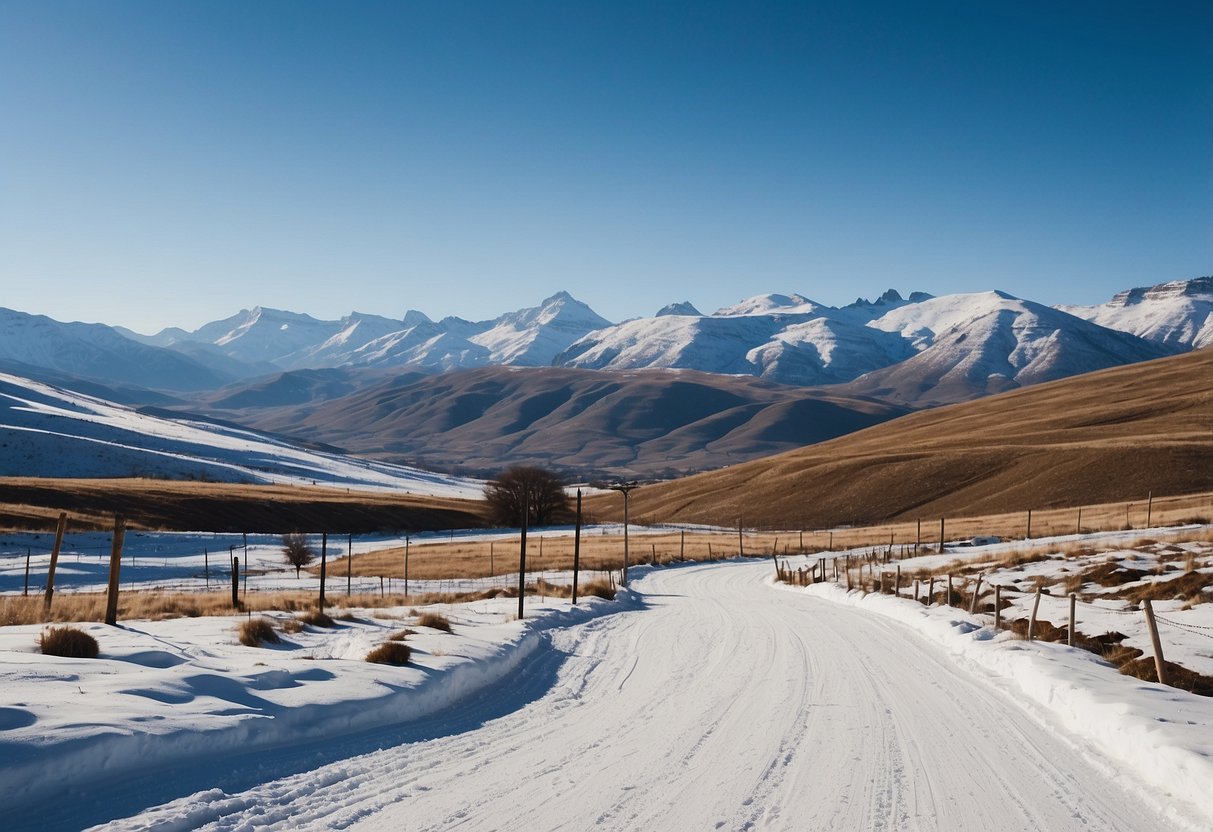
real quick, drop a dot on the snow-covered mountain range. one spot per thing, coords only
(916, 350)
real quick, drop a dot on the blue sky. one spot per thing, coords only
(168, 163)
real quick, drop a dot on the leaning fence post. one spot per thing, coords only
(111, 599)
(976, 592)
(1032, 617)
(50, 574)
(1159, 666)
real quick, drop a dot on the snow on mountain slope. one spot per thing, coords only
(979, 344)
(100, 353)
(48, 432)
(767, 304)
(1177, 314)
(357, 330)
(825, 351)
(533, 337)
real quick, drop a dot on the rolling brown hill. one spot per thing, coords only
(1102, 437)
(34, 503)
(582, 422)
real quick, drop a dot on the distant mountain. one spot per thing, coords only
(46, 431)
(1178, 314)
(291, 341)
(99, 353)
(627, 423)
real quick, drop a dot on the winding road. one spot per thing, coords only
(722, 704)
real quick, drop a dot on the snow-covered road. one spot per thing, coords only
(721, 705)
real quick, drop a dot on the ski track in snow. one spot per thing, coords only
(721, 705)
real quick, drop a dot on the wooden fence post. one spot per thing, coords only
(1149, 509)
(349, 566)
(1078, 526)
(915, 589)
(235, 582)
(1032, 617)
(931, 591)
(29, 554)
(1073, 605)
(111, 599)
(997, 606)
(740, 541)
(941, 544)
(897, 582)
(1159, 665)
(682, 544)
(50, 574)
(976, 592)
(949, 601)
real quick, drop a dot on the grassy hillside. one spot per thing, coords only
(30, 503)
(1101, 437)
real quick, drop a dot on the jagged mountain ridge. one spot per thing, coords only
(786, 338)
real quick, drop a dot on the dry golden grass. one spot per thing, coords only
(317, 618)
(391, 652)
(257, 631)
(69, 642)
(435, 621)
(1100, 438)
(34, 504)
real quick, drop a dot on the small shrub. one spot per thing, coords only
(348, 616)
(392, 652)
(317, 618)
(257, 631)
(401, 635)
(70, 642)
(291, 625)
(434, 621)
(598, 589)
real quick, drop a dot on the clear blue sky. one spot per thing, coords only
(167, 163)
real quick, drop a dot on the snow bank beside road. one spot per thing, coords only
(185, 693)
(1161, 735)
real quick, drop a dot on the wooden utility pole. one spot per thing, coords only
(111, 598)
(324, 563)
(1078, 526)
(526, 509)
(941, 543)
(206, 567)
(1028, 533)
(740, 541)
(29, 554)
(682, 545)
(406, 566)
(349, 566)
(577, 546)
(918, 536)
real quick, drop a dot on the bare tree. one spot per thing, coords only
(297, 551)
(541, 490)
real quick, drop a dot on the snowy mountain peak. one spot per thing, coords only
(683, 308)
(1177, 314)
(769, 304)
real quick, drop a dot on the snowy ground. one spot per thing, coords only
(705, 699)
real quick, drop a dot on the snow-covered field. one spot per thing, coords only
(703, 698)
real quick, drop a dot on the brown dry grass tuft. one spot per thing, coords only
(70, 642)
(291, 625)
(435, 621)
(401, 635)
(317, 618)
(255, 632)
(392, 652)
